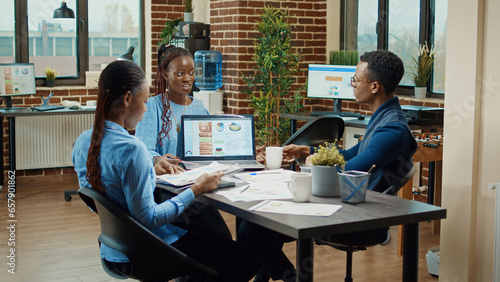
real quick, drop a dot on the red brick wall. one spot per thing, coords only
(162, 11)
(232, 33)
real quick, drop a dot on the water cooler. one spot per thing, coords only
(208, 67)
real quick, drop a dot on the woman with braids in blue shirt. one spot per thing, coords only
(161, 123)
(173, 83)
(110, 160)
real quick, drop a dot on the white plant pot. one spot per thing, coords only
(325, 181)
(420, 92)
(188, 17)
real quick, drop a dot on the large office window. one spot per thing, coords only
(100, 31)
(398, 26)
(7, 33)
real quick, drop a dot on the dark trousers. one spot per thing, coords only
(199, 212)
(269, 246)
(234, 261)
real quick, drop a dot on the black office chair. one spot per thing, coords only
(318, 131)
(151, 259)
(68, 193)
(359, 241)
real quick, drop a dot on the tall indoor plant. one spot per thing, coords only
(421, 69)
(271, 82)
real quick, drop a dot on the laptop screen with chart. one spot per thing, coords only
(217, 138)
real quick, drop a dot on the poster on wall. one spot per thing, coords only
(17, 79)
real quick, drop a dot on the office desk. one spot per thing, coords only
(377, 211)
(348, 121)
(26, 112)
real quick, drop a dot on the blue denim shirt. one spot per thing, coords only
(128, 176)
(148, 129)
(387, 143)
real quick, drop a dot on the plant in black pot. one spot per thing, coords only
(50, 76)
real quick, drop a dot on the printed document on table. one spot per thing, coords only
(257, 192)
(283, 207)
(190, 176)
(266, 175)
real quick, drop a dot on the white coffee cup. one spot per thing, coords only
(300, 186)
(274, 156)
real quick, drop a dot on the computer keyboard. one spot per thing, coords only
(47, 107)
(329, 113)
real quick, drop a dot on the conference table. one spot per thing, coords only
(378, 210)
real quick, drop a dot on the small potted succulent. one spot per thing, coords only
(50, 76)
(188, 10)
(325, 180)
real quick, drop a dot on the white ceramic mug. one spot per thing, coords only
(300, 186)
(274, 157)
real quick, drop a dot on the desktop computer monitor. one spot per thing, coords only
(330, 82)
(16, 79)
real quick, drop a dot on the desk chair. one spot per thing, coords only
(151, 259)
(318, 131)
(68, 193)
(359, 241)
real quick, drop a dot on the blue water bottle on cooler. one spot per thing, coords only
(208, 67)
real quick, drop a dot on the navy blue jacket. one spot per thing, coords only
(387, 143)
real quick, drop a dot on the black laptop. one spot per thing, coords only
(222, 138)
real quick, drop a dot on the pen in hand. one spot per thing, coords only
(297, 161)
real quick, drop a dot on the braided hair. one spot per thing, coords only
(115, 80)
(166, 54)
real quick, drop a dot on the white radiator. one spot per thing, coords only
(47, 141)
(496, 186)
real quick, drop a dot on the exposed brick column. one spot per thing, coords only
(162, 11)
(232, 33)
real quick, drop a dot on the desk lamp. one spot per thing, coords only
(128, 55)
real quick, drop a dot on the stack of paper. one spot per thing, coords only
(189, 177)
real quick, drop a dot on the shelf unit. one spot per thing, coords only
(192, 36)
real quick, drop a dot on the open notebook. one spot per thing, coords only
(222, 138)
